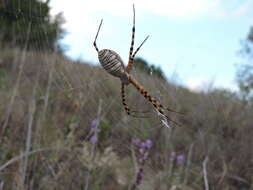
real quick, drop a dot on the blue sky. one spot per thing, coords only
(198, 40)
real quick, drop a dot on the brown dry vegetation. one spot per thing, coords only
(48, 102)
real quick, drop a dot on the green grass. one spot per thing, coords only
(47, 105)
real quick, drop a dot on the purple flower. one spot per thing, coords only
(93, 134)
(180, 159)
(136, 141)
(141, 160)
(141, 150)
(94, 123)
(136, 171)
(143, 145)
(142, 153)
(149, 143)
(93, 139)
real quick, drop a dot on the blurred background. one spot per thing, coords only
(62, 123)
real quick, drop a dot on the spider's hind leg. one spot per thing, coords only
(127, 109)
(157, 105)
(165, 117)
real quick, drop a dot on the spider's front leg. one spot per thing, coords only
(131, 54)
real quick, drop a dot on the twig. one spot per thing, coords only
(205, 173)
(21, 156)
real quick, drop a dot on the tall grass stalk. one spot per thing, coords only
(95, 143)
(205, 173)
(188, 163)
(1, 185)
(32, 109)
(169, 156)
(42, 116)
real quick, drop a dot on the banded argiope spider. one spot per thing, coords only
(114, 65)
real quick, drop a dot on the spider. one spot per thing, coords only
(114, 65)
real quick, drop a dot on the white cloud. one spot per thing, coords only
(170, 8)
(197, 84)
(232, 9)
(244, 8)
(179, 8)
(204, 84)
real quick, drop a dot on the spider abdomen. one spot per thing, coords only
(113, 64)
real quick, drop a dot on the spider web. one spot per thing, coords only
(63, 125)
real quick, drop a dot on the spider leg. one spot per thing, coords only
(170, 110)
(137, 116)
(127, 109)
(130, 59)
(123, 98)
(139, 47)
(158, 106)
(131, 55)
(169, 119)
(94, 43)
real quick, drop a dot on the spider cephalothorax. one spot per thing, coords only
(113, 64)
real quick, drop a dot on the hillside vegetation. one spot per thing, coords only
(49, 106)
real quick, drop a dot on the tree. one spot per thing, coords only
(244, 73)
(149, 69)
(28, 23)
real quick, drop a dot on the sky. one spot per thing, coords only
(195, 42)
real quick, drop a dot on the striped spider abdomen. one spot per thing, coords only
(113, 64)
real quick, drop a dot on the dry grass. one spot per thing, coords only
(48, 102)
